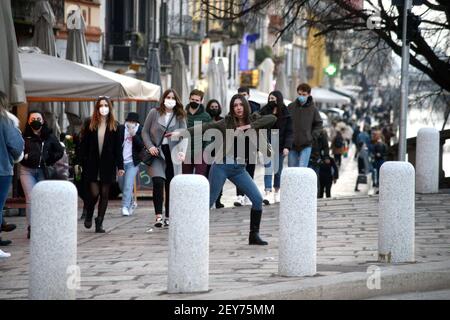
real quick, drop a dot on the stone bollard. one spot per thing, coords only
(427, 161)
(188, 234)
(53, 243)
(298, 223)
(396, 212)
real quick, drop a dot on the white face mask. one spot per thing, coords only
(169, 103)
(104, 111)
(131, 125)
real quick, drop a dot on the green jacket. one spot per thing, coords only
(256, 122)
(192, 119)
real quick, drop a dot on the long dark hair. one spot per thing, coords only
(96, 116)
(45, 130)
(246, 109)
(178, 109)
(280, 102)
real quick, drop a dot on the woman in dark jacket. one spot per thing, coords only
(283, 125)
(42, 149)
(101, 156)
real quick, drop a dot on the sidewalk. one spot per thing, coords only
(128, 263)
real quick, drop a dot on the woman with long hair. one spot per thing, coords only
(282, 129)
(168, 117)
(101, 157)
(11, 149)
(42, 149)
(230, 163)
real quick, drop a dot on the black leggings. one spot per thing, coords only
(97, 190)
(160, 184)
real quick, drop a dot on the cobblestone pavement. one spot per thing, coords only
(128, 263)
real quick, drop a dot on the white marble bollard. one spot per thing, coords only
(298, 223)
(396, 212)
(53, 243)
(188, 234)
(427, 161)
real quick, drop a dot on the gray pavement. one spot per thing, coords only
(129, 263)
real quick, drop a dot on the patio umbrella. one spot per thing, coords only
(76, 51)
(212, 75)
(179, 74)
(282, 82)
(11, 81)
(50, 79)
(266, 75)
(153, 69)
(223, 86)
(43, 38)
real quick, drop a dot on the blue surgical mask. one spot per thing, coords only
(302, 99)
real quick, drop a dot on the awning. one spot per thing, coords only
(51, 79)
(326, 96)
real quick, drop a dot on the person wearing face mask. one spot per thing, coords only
(132, 145)
(306, 124)
(42, 148)
(281, 130)
(101, 158)
(168, 117)
(230, 162)
(196, 114)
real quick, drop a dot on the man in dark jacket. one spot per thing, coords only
(245, 92)
(132, 145)
(307, 123)
(196, 114)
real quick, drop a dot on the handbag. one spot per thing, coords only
(146, 157)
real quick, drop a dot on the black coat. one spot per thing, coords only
(254, 106)
(41, 149)
(283, 124)
(111, 158)
(138, 143)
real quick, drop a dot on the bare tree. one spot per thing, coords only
(429, 48)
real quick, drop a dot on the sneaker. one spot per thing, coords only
(267, 195)
(4, 254)
(276, 197)
(125, 211)
(247, 201)
(134, 205)
(159, 222)
(166, 222)
(239, 202)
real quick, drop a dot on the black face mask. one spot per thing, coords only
(272, 104)
(194, 105)
(214, 112)
(36, 125)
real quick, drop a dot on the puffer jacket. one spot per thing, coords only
(41, 150)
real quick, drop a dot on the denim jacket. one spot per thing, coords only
(11, 144)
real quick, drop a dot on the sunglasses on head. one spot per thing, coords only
(104, 97)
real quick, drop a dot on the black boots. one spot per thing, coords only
(255, 220)
(88, 220)
(98, 225)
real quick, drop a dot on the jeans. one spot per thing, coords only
(237, 174)
(5, 183)
(250, 168)
(278, 166)
(299, 158)
(29, 177)
(126, 183)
